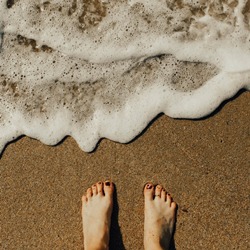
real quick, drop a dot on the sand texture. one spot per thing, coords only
(204, 164)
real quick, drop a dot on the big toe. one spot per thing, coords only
(108, 188)
(149, 191)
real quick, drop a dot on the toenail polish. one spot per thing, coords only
(99, 182)
(149, 186)
(107, 183)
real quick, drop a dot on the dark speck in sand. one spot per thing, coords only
(10, 3)
(184, 210)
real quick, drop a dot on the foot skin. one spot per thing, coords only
(97, 207)
(160, 212)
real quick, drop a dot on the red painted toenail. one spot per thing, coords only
(107, 183)
(149, 186)
(99, 182)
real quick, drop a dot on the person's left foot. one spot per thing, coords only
(97, 207)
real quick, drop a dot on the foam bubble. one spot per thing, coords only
(94, 69)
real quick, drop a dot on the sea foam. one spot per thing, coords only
(106, 68)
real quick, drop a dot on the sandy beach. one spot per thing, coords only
(204, 164)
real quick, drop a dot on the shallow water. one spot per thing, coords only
(93, 69)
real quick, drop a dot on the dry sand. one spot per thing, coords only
(204, 164)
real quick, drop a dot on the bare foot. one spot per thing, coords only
(159, 220)
(97, 207)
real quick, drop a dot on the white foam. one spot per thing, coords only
(96, 69)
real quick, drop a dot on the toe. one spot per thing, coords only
(173, 205)
(149, 191)
(168, 199)
(94, 189)
(158, 189)
(89, 193)
(84, 199)
(99, 188)
(163, 194)
(108, 188)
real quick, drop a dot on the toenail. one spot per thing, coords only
(158, 187)
(148, 186)
(107, 183)
(99, 182)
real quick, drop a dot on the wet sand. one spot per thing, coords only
(204, 164)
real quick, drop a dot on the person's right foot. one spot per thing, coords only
(160, 212)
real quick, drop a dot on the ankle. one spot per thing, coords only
(155, 243)
(154, 246)
(97, 246)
